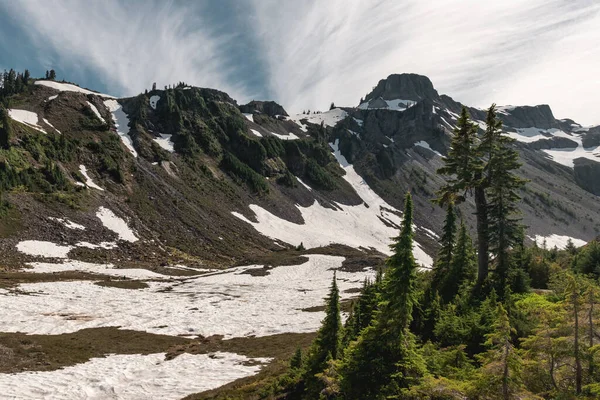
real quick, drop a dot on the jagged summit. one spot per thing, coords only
(404, 86)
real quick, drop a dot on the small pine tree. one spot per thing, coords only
(296, 361)
(52, 75)
(332, 106)
(441, 273)
(327, 345)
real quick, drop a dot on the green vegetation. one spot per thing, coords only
(445, 334)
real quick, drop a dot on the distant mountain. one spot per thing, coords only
(197, 179)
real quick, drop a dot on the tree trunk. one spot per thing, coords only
(483, 256)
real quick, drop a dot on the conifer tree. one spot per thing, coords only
(502, 365)
(464, 167)
(442, 267)
(296, 361)
(5, 128)
(52, 75)
(503, 185)
(383, 359)
(328, 341)
(463, 269)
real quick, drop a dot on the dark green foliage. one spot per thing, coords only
(588, 259)
(441, 273)
(327, 345)
(5, 128)
(296, 361)
(502, 189)
(288, 179)
(319, 176)
(384, 358)
(242, 172)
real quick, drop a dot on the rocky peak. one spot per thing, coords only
(266, 107)
(539, 116)
(404, 86)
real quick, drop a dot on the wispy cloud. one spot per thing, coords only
(132, 44)
(305, 54)
(476, 51)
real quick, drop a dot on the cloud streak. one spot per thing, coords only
(305, 54)
(478, 52)
(131, 45)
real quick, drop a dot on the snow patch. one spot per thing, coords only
(40, 248)
(290, 136)
(256, 133)
(557, 240)
(132, 376)
(27, 118)
(88, 181)
(304, 184)
(67, 223)
(121, 123)
(153, 101)
(67, 87)
(165, 142)
(102, 269)
(52, 97)
(51, 126)
(96, 112)
(116, 224)
(249, 117)
(329, 118)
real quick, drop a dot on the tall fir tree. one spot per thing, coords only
(465, 168)
(441, 272)
(384, 359)
(327, 345)
(502, 190)
(463, 269)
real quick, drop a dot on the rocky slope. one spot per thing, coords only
(199, 180)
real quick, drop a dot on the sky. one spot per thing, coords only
(304, 54)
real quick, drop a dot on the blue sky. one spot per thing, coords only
(307, 53)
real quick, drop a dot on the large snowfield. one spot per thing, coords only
(131, 377)
(122, 124)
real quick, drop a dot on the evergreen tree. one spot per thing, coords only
(464, 167)
(5, 128)
(441, 273)
(52, 75)
(384, 359)
(328, 341)
(503, 185)
(502, 364)
(332, 106)
(296, 361)
(463, 269)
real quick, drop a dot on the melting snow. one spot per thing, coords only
(51, 126)
(67, 87)
(26, 117)
(249, 117)
(230, 303)
(256, 133)
(329, 118)
(290, 136)
(88, 181)
(116, 224)
(304, 184)
(67, 223)
(425, 145)
(153, 101)
(165, 142)
(103, 269)
(395, 104)
(52, 97)
(131, 376)
(43, 249)
(122, 124)
(95, 110)
(355, 226)
(557, 240)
